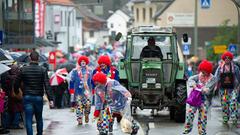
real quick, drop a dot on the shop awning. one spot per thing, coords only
(39, 42)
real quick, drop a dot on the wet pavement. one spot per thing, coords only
(160, 123)
(63, 122)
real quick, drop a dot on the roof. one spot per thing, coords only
(141, 1)
(162, 9)
(43, 42)
(86, 13)
(60, 2)
(126, 11)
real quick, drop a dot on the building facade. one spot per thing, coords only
(95, 30)
(18, 24)
(62, 25)
(118, 22)
(181, 15)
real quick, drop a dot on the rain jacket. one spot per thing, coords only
(110, 71)
(80, 81)
(113, 94)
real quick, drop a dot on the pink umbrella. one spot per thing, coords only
(62, 60)
(58, 77)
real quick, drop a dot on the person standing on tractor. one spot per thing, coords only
(228, 77)
(80, 85)
(199, 98)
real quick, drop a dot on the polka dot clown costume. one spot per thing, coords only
(204, 82)
(228, 76)
(80, 86)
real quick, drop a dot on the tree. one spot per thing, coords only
(225, 35)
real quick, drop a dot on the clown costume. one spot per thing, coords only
(204, 81)
(228, 77)
(80, 85)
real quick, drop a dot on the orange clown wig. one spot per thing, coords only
(83, 58)
(227, 54)
(104, 59)
(100, 78)
(205, 66)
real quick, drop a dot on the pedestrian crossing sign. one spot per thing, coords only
(232, 48)
(205, 4)
(186, 49)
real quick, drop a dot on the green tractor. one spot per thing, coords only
(153, 82)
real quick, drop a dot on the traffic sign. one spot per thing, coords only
(52, 57)
(232, 48)
(189, 42)
(205, 4)
(1, 37)
(186, 49)
(218, 49)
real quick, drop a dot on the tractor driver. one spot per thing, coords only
(151, 50)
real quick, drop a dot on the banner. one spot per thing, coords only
(40, 8)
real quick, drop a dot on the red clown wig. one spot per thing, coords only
(104, 59)
(83, 58)
(100, 77)
(205, 66)
(227, 54)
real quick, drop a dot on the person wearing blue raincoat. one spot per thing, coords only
(80, 86)
(111, 97)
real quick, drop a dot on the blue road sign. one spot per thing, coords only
(1, 37)
(205, 3)
(232, 48)
(186, 49)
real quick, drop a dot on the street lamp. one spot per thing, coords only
(68, 29)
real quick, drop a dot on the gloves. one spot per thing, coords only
(71, 91)
(96, 113)
(93, 91)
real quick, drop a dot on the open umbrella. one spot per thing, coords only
(4, 55)
(4, 68)
(25, 58)
(58, 77)
(68, 65)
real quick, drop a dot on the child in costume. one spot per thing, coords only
(111, 97)
(228, 77)
(204, 82)
(80, 85)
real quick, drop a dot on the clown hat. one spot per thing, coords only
(100, 77)
(205, 66)
(83, 58)
(227, 54)
(104, 59)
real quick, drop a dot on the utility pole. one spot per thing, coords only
(68, 30)
(238, 31)
(196, 28)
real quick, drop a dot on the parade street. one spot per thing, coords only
(63, 122)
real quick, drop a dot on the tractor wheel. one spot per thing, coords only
(180, 109)
(172, 113)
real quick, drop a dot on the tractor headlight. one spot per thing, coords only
(158, 85)
(144, 85)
